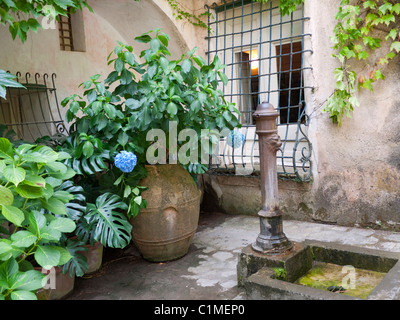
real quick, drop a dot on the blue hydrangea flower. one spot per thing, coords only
(125, 161)
(235, 139)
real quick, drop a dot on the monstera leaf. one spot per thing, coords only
(75, 208)
(78, 264)
(81, 164)
(112, 228)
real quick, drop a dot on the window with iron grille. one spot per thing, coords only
(32, 112)
(263, 52)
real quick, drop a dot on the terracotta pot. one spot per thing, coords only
(165, 229)
(58, 287)
(94, 257)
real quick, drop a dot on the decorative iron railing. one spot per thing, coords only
(33, 112)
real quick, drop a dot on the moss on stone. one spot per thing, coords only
(324, 275)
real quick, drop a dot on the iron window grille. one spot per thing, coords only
(33, 112)
(263, 53)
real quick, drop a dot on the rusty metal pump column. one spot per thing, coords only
(271, 239)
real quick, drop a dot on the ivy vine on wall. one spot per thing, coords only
(362, 27)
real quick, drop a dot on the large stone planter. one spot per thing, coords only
(165, 229)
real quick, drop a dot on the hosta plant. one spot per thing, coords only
(33, 216)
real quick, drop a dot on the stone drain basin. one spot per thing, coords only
(310, 269)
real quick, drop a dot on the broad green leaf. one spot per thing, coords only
(223, 77)
(13, 214)
(34, 181)
(37, 221)
(47, 256)
(64, 176)
(23, 295)
(155, 45)
(6, 196)
(145, 38)
(63, 225)
(138, 200)
(119, 65)
(87, 150)
(5, 250)
(34, 280)
(8, 269)
(29, 192)
(172, 108)
(65, 256)
(186, 66)
(16, 280)
(64, 196)
(14, 174)
(5, 148)
(23, 239)
(123, 139)
(57, 167)
(55, 206)
(127, 191)
(49, 234)
(129, 58)
(41, 154)
(112, 228)
(110, 111)
(395, 46)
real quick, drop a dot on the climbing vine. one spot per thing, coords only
(363, 26)
(286, 7)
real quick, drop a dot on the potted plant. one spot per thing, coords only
(33, 217)
(143, 129)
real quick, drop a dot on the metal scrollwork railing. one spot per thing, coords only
(33, 112)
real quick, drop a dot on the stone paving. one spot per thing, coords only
(208, 271)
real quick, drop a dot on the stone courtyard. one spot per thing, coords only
(208, 271)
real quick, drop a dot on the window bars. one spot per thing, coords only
(33, 112)
(263, 53)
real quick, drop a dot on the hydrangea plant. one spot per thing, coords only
(109, 128)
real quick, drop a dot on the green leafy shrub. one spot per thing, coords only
(120, 111)
(33, 216)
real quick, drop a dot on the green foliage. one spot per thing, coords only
(280, 274)
(33, 217)
(110, 120)
(23, 16)
(7, 80)
(356, 39)
(286, 6)
(181, 14)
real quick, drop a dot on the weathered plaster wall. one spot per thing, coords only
(356, 166)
